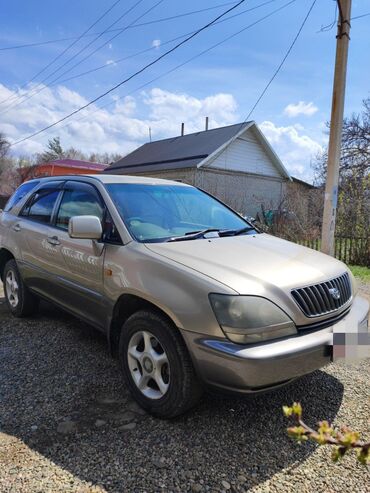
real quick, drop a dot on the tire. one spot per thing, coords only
(179, 388)
(19, 300)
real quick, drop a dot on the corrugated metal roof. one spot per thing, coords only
(177, 152)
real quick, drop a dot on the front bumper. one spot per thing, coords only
(221, 363)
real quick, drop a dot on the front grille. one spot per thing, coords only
(325, 297)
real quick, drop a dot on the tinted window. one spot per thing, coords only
(18, 195)
(41, 205)
(80, 201)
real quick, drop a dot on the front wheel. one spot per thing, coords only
(157, 366)
(19, 300)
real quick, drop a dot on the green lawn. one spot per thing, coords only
(362, 273)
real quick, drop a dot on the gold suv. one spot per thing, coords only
(188, 293)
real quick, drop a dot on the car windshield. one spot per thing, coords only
(155, 213)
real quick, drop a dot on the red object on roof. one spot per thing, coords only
(64, 167)
(76, 163)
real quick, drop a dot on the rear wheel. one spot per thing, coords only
(18, 298)
(157, 366)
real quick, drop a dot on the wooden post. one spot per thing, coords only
(336, 124)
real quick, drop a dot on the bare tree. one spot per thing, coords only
(353, 213)
(355, 151)
(4, 149)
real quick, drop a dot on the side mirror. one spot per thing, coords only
(85, 228)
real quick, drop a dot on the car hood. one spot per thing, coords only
(252, 264)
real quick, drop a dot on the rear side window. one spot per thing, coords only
(81, 200)
(40, 207)
(20, 193)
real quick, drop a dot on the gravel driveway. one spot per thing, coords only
(67, 424)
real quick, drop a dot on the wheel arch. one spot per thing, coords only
(5, 256)
(127, 305)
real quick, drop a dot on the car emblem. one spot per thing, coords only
(334, 292)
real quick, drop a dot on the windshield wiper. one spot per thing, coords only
(193, 235)
(236, 232)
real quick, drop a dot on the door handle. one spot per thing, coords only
(53, 240)
(16, 228)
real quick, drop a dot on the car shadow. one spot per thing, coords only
(63, 396)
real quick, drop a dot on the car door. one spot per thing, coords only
(79, 263)
(35, 239)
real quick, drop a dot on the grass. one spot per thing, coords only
(362, 273)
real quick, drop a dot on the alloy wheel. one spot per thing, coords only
(11, 288)
(148, 364)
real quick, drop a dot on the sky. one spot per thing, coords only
(40, 84)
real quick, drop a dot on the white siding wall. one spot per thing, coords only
(245, 154)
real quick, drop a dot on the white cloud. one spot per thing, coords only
(163, 105)
(156, 43)
(294, 148)
(121, 127)
(110, 62)
(300, 108)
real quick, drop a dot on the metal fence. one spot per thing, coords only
(351, 250)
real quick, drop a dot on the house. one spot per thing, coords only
(67, 167)
(13, 177)
(235, 163)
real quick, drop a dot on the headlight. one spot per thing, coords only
(250, 319)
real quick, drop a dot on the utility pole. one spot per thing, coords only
(336, 125)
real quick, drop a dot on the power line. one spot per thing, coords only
(41, 43)
(60, 40)
(280, 66)
(146, 50)
(330, 26)
(360, 16)
(68, 47)
(39, 88)
(34, 91)
(224, 40)
(156, 60)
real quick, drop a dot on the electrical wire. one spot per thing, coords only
(330, 26)
(39, 88)
(59, 40)
(63, 52)
(41, 43)
(40, 85)
(360, 16)
(165, 43)
(224, 40)
(135, 74)
(280, 66)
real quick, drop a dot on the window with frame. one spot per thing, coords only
(41, 205)
(79, 201)
(19, 194)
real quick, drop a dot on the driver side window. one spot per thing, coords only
(81, 200)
